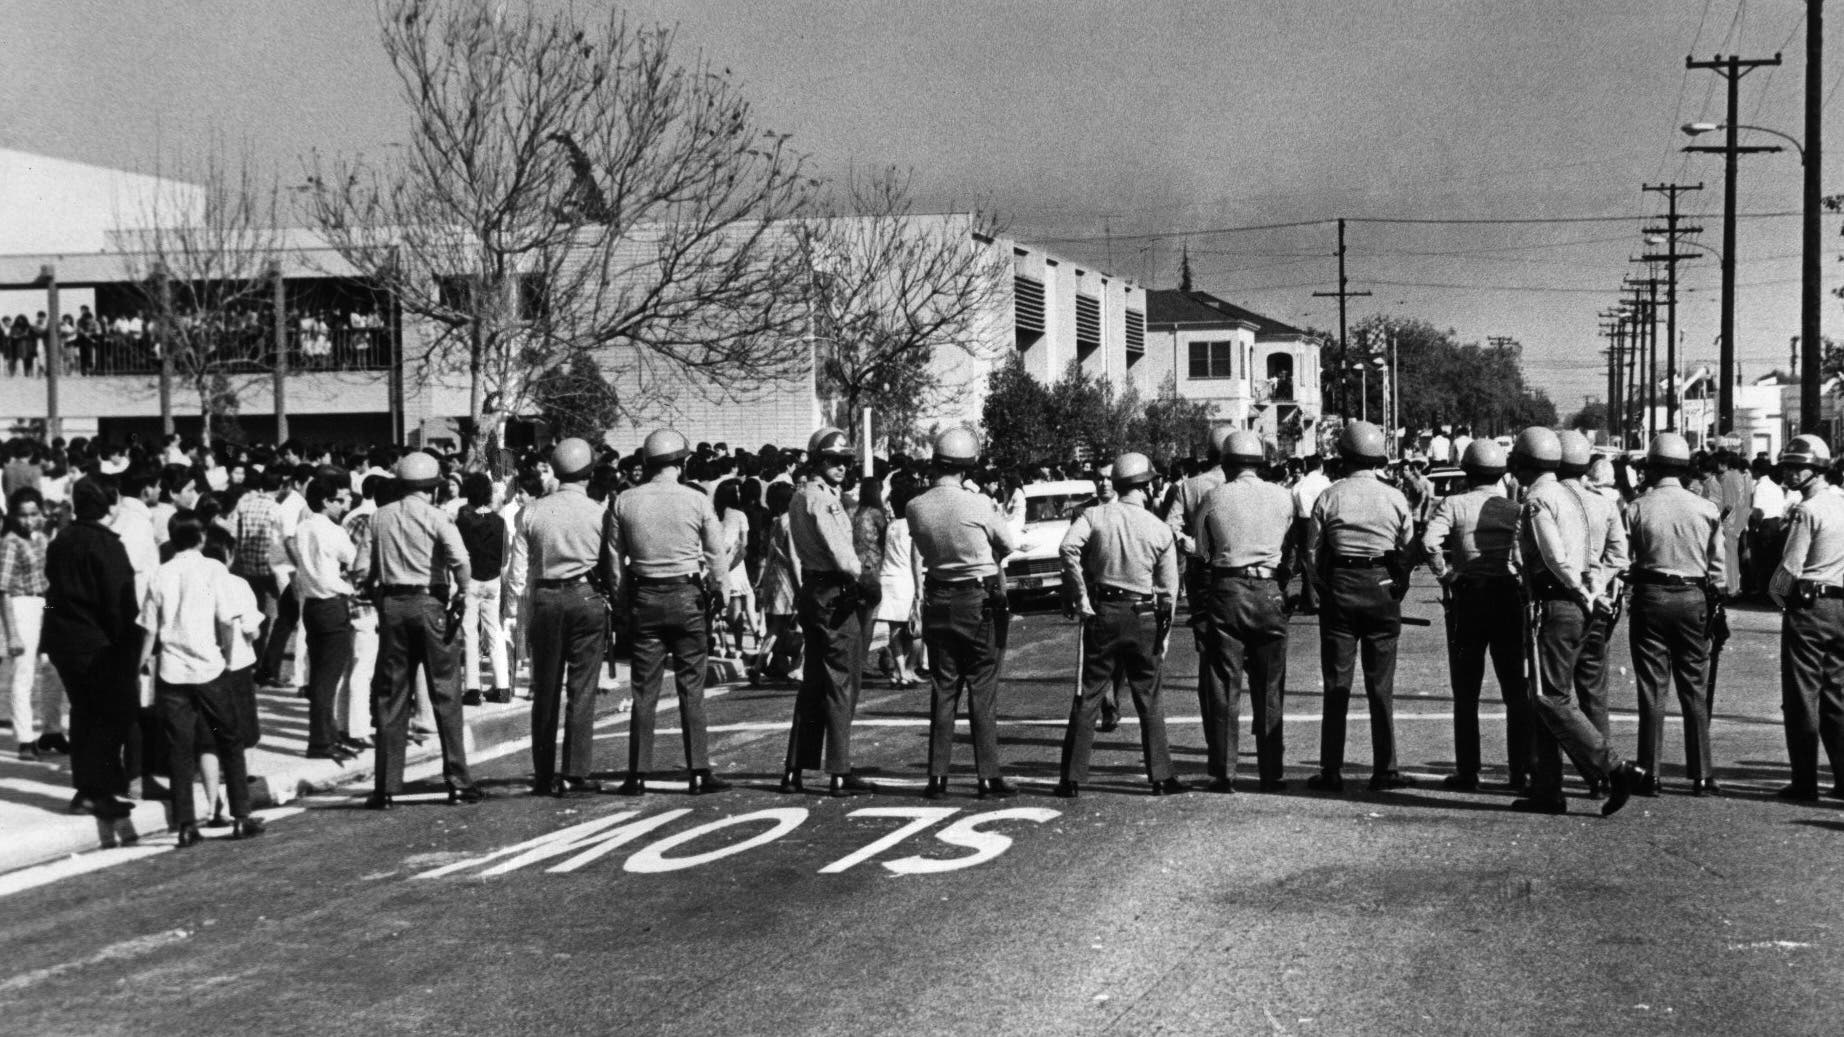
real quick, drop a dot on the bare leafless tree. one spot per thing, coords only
(567, 188)
(893, 294)
(200, 250)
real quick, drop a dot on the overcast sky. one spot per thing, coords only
(1081, 122)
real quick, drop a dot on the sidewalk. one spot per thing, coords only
(35, 826)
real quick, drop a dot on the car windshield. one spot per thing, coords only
(1052, 507)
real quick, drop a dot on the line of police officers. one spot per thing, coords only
(1531, 577)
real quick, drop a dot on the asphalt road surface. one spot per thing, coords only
(749, 912)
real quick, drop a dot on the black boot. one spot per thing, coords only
(635, 785)
(703, 783)
(937, 788)
(791, 783)
(993, 788)
(1066, 789)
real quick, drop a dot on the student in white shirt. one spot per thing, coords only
(239, 669)
(192, 620)
(323, 554)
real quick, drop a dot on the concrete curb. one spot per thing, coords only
(277, 779)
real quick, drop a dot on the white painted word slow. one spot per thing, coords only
(583, 844)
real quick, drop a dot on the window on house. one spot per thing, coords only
(1213, 360)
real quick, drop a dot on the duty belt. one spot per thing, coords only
(404, 590)
(1658, 579)
(1828, 590)
(566, 581)
(970, 583)
(664, 581)
(1350, 562)
(1250, 572)
(1106, 593)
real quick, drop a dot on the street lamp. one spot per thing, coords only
(1810, 343)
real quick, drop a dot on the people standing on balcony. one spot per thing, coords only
(88, 338)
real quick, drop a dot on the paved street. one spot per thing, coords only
(1413, 912)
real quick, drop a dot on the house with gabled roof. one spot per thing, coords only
(1259, 373)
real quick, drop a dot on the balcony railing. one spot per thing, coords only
(340, 349)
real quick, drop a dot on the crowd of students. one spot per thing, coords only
(129, 341)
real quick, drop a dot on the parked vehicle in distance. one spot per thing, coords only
(1035, 565)
(1447, 481)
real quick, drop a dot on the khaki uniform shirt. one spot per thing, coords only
(1187, 503)
(562, 534)
(1359, 516)
(1121, 545)
(959, 535)
(661, 530)
(822, 530)
(1676, 532)
(1553, 534)
(1607, 540)
(1244, 522)
(1815, 538)
(415, 543)
(1472, 533)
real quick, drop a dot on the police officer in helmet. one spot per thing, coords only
(832, 624)
(668, 565)
(566, 549)
(1808, 585)
(1554, 553)
(1468, 544)
(1677, 542)
(1356, 549)
(419, 569)
(1244, 547)
(960, 540)
(1607, 563)
(1184, 515)
(1120, 576)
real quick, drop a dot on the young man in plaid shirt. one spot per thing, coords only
(253, 522)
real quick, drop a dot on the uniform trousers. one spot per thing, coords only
(1210, 691)
(105, 710)
(1669, 632)
(1120, 637)
(412, 631)
(1561, 725)
(668, 619)
(1812, 688)
(1359, 620)
(568, 635)
(186, 712)
(960, 630)
(832, 628)
(1249, 631)
(1485, 618)
(1591, 673)
(328, 623)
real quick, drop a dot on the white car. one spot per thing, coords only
(1048, 507)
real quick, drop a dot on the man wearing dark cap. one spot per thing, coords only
(567, 630)
(93, 640)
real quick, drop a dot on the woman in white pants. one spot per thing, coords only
(22, 613)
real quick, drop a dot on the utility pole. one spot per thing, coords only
(1649, 308)
(1645, 365)
(1609, 327)
(1343, 294)
(1732, 69)
(1811, 337)
(1671, 257)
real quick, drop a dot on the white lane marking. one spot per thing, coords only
(132, 948)
(96, 860)
(652, 859)
(782, 725)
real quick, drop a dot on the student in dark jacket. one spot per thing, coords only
(94, 641)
